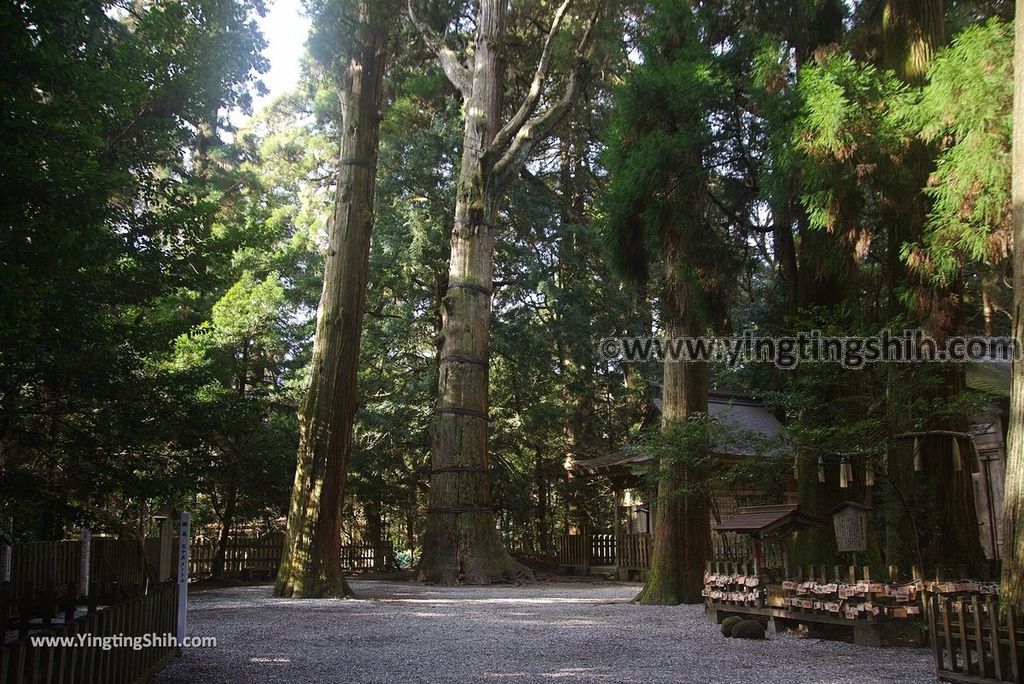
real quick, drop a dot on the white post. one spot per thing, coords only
(83, 562)
(183, 539)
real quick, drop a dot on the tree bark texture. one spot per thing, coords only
(311, 564)
(1012, 590)
(461, 542)
(682, 534)
(912, 31)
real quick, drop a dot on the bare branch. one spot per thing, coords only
(540, 125)
(456, 72)
(529, 104)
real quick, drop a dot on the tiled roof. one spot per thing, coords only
(764, 519)
(743, 416)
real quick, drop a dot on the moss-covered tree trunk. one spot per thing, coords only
(682, 530)
(1013, 501)
(311, 562)
(461, 541)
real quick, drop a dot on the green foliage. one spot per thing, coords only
(160, 271)
(655, 141)
(106, 116)
(694, 443)
(966, 110)
(843, 131)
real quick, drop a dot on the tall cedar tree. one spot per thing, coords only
(311, 564)
(913, 31)
(461, 540)
(1012, 589)
(657, 208)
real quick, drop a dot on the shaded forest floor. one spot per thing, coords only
(574, 632)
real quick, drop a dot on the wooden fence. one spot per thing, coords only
(602, 549)
(635, 551)
(154, 613)
(36, 565)
(974, 642)
(632, 551)
(248, 556)
(573, 550)
(357, 557)
(244, 555)
(124, 565)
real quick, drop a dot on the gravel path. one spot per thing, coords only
(403, 632)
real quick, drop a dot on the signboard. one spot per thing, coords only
(851, 525)
(184, 532)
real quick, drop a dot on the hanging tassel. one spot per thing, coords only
(958, 461)
(845, 473)
(821, 469)
(918, 459)
(869, 475)
(796, 466)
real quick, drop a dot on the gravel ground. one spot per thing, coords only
(573, 632)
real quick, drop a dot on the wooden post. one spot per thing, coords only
(85, 547)
(184, 531)
(165, 558)
(5, 561)
(617, 492)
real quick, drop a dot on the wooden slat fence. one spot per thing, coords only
(246, 556)
(635, 550)
(243, 556)
(573, 550)
(356, 557)
(154, 613)
(973, 641)
(36, 565)
(602, 549)
(632, 551)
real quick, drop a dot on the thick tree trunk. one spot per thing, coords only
(912, 31)
(461, 540)
(1013, 501)
(682, 533)
(311, 566)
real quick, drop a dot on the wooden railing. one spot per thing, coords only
(584, 550)
(154, 613)
(974, 642)
(730, 547)
(635, 550)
